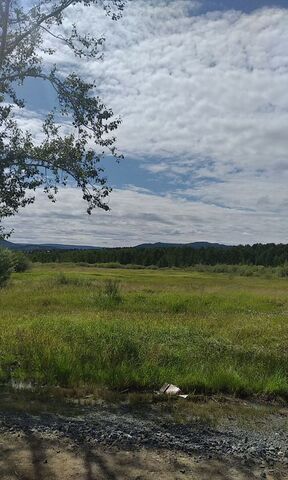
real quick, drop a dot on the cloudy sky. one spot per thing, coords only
(202, 90)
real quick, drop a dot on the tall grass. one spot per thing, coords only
(204, 332)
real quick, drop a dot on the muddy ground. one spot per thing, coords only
(36, 457)
(144, 441)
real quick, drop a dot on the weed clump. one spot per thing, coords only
(106, 295)
(111, 290)
(64, 280)
(283, 271)
(61, 279)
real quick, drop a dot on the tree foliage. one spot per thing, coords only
(269, 255)
(21, 262)
(77, 132)
(6, 266)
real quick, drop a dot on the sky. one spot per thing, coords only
(202, 90)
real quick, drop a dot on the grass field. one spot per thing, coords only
(68, 325)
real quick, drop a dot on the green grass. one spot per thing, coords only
(78, 327)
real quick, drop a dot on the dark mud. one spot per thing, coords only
(260, 438)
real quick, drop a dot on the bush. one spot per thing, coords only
(283, 271)
(21, 262)
(62, 279)
(6, 266)
(111, 289)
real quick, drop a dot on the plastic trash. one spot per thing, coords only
(170, 389)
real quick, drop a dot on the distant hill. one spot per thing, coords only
(28, 247)
(5, 244)
(195, 245)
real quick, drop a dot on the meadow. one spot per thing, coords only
(87, 327)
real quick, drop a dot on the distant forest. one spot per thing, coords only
(268, 255)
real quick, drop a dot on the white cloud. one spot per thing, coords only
(213, 85)
(204, 96)
(139, 216)
(265, 194)
(193, 87)
(192, 83)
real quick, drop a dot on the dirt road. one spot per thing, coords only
(119, 442)
(38, 457)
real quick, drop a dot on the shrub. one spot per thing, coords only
(111, 289)
(283, 271)
(62, 279)
(21, 262)
(6, 266)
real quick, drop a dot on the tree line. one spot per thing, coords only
(270, 255)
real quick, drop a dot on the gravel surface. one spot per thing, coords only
(129, 430)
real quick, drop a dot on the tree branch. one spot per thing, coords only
(43, 19)
(4, 31)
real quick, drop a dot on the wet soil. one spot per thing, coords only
(102, 439)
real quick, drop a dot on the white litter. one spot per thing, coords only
(170, 389)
